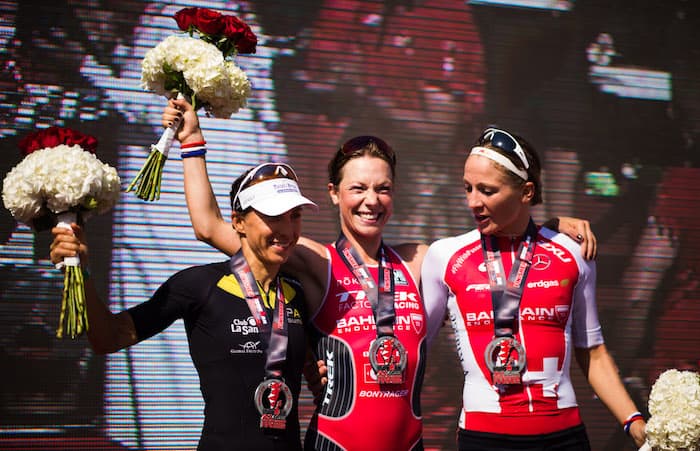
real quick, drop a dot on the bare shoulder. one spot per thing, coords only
(308, 256)
(412, 254)
(309, 264)
(309, 246)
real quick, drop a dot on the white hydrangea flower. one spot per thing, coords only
(60, 179)
(674, 405)
(221, 85)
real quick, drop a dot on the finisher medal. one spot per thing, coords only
(505, 357)
(388, 358)
(273, 399)
(386, 354)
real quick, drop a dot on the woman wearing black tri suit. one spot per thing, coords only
(243, 317)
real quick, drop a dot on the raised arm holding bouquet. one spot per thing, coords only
(60, 180)
(200, 69)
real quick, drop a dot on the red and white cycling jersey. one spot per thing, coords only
(355, 411)
(557, 313)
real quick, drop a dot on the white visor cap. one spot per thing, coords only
(274, 197)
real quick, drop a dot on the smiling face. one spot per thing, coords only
(268, 240)
(500, 207)
(364, 196)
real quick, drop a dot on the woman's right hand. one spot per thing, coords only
(68, 243)
(580, 230)
(179, 111)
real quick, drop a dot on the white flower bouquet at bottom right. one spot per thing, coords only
(674, 406)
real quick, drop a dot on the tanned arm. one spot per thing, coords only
(107, 332)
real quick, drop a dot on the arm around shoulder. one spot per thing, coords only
(309, 264)
(578, 230)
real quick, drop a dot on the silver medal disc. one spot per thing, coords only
(505, 358)
(388, 358)
(274, 401)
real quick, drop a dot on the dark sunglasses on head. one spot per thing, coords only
(504, 141)
(362, 142)
(267, 171)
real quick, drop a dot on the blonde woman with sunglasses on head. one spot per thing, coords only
(369, 322)
(521, 301)
(243, 317)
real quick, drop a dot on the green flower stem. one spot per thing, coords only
(73, 320)
(147, 181)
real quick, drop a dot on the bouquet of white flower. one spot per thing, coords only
(674, 406)
(202, 70)
(61, 180)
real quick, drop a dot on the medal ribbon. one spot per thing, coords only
(381, 295)
(506, 295)
(273, 331)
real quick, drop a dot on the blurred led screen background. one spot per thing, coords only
(607, 91)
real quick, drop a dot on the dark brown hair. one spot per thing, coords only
(356, 147)
(235, 186)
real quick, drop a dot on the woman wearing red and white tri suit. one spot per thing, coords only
(369, 322)
(522, 304)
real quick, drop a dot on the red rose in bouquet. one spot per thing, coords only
(241, 34)
(185, 18)
(54, 136)
(209, 22)
(226, 32)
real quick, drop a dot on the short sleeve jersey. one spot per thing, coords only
(557, 312)
(228, 352)
(356, 412)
